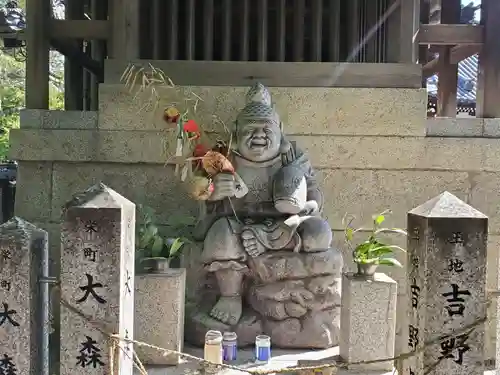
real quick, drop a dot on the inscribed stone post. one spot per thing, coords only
(21, 247)
(97, 278)
(446, 280)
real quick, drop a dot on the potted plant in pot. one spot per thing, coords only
(154, 253)
(159, 289)
(375, 250)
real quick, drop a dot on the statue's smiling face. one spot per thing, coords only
(259, 141)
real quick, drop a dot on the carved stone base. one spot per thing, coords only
(319, 330)
(292, 297)
(199, 322)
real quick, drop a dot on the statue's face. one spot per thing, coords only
(259, 141)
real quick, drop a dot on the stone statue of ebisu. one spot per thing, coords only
(265, 244)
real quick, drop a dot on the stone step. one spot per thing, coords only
(48, 185)
(269, 73)
(303, 110)
(325, 152)
(463, 127)
(57, 119)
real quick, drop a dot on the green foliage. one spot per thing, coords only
(150, 243)
(12, 87)
(11, 98)
(12, 92)
(373, 250)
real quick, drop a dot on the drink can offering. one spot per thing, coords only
(262, 348)
(229, 346)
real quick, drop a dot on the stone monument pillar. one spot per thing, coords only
(447, 287)
(368, 320)
(21, 248)
(97, 277)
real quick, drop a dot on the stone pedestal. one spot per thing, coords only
(159, 315)
(446, 285)
(97, 278)
(294, 298)
(21, 255)
(368, 320)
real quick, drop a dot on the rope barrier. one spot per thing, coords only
(211, 367)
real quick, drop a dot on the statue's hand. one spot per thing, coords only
(251, 244)
(224, 186)
(311, 208)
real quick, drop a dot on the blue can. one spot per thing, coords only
(229, 346)
(262, 349)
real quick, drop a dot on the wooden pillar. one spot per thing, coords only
(299, 10)
(73, 72)
(409, 19)
(447, 72)
(124, 17)
(488, 92)
(423, 50)
(334, 30)
(393, 26)
(353, 30)
(99, 12)
(37, 51)
(87, 79)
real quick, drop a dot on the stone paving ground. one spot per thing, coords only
(281, 358)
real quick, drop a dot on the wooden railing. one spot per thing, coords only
(442, 34)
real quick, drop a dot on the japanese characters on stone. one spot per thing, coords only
(9, 317)
(7, 365)
(98, 276)
(416, 267)
(446, 278)
(18, 244)
(455, 300)
(89, 234)
(89, 353)
(5, 256)
(454, 348)
(90, 289)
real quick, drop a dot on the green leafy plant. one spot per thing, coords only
(374, 250)
(149, 242)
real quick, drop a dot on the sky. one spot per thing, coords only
(476, 2)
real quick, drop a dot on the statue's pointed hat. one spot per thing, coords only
(258, 107)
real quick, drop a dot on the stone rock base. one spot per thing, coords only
(317, 331)
(292, 297)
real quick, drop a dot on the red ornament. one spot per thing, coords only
(191, 126)
(199, 150)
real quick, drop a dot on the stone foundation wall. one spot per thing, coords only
(369, 146)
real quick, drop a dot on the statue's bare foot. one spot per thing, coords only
(227, 310)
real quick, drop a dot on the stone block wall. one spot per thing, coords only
(369, 146)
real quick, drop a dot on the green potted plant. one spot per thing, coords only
(154, 252)
(374, 251)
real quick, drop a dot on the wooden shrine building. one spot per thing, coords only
(360, 31)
